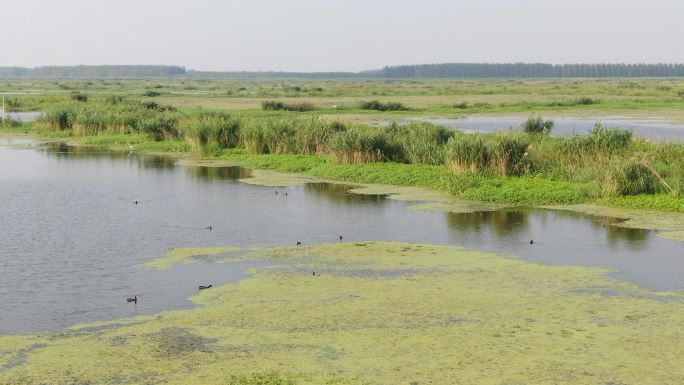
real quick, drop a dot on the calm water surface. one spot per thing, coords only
(71, 236)
(27, 116)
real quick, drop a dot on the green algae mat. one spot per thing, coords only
(377, 313)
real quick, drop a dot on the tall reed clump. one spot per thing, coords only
(467, 154)
(101, 116)
(211, 131)
(510, 155)
(419, 142)
(313, 135)
(59, 119)
(609, 139)
(268, 136)
(354, 146)
(601, 141)
(629, 177)
(160, 127)
(537, 125)
(502, 155)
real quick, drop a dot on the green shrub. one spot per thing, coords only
(79, 97)
(585, 101)
(380, 106)
(272, 105)
(299, 107)
(537, 125)
(151, 93)
(115, 99)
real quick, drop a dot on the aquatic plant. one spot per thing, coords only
(537, 125)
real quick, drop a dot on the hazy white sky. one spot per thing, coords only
(341, 35)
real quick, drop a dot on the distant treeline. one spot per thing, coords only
(96, 72)
(447, 70)
(279, 74)
(532, 70)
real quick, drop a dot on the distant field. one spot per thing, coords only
(569, 97)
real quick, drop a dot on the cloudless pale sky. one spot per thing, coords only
(340, 35)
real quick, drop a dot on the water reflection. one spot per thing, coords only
(218, 173)
(504, 223)
(63, 150)
(339, 193)
(517, 224)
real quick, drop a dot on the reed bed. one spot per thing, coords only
(609, 160)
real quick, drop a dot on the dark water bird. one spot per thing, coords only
(209, 228)
(276, 192)
(205, 287)
(134, 299)
(298, 243)
(285, 194)
(136, 202)
(531, 241)
(340, 238)
(313, 273)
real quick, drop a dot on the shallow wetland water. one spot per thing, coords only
(74, 239)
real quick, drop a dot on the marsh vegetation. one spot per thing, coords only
(313, 126)
(606, 163)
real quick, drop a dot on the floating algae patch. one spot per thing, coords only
(187, 255)
(410, 194)
(674, 235)
(459, 317)
(276, 179)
